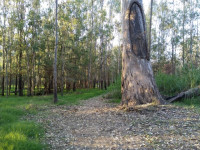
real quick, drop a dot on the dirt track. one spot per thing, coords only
(96, 124)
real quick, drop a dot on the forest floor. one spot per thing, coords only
(97, 124)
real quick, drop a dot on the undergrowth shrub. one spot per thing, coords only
(184, 79)
(114, 92)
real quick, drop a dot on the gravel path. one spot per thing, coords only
(96, 124)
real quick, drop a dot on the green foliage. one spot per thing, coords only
(170, 84)
(114, 92)
(192, 75)
(186, 78)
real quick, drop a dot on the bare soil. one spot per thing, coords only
(99, 125)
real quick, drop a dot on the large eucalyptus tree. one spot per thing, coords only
(138, 85)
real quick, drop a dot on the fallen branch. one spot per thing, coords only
(187, 94)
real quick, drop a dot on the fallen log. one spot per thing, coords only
(187, 94)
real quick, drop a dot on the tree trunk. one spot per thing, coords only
(4, 38)
(62, 71)
(150, 25)
(74, 86)
(21, 44)
(94, 83)
(20, 72)
(16, 85)
(10, 68)
(173, 43)
(183, 57)
(55, 59)
(138, 85)
(68, 86)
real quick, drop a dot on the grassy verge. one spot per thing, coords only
(190, 103)
(75, 97)
(17, 134)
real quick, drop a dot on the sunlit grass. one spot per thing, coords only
(16, 134)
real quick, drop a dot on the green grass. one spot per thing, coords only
(193, 103)
(17, 134)
(114, 92)
(75, 97)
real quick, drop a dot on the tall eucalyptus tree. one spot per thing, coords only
(138, 85)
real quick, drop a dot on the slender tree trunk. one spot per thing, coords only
(150, 25)
(101, 49)
(7, 63)
(68, 86)
(10, 67)
(94, 83)
(20, 67)
(105, 69)
(38, 72)
(10, 77)
(62, 71)
(33, 73)
(21, 49)
(172, 59)
(138, 85)
(183, 57)
(55, 59)
(4, 38)
(191, 32)
(172, 42)
(29, 80)
(3, 77)
(74, 86)
(16, 81)
(197, 49)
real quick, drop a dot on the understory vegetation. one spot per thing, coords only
(184, 79)
(172, 84)
(169, 85)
